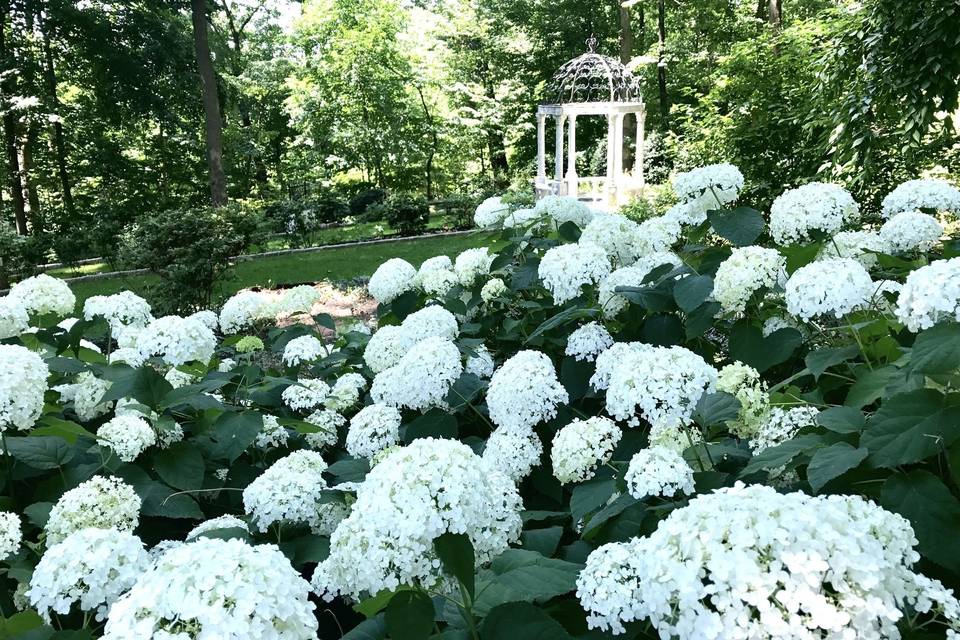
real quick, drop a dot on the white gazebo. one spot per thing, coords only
(590, 85)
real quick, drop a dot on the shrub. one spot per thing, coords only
(406, 213)
(361, 201)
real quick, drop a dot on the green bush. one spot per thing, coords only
(360, 202)
(406, 213)
(190, 251)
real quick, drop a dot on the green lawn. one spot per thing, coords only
(329, 264)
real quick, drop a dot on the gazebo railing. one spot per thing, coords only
(588, 188)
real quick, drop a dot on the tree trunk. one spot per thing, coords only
(761, 13)
(26, 156)
(641, 26)
(10, 128)
(60, 147)
(211, 104)
(499, 166)
(662, 65)
(434, 142)
(626, 35)
(775, 14)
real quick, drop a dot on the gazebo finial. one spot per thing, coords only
(592, 44)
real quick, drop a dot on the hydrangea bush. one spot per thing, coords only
(718, 423)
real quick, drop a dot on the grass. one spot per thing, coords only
(329, 264)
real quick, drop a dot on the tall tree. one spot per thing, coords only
(211, 104)
(56, 124)
(662, 64)
(7, 91)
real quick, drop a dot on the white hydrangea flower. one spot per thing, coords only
(213, 524)
(775, 323)
(216, 589)
(392, 278)
(657, 235)
(90, 568)
(23, 381)
(859, 245)
(290, 491)
(673, 436)
(345, 392)
(493, 289)
(618, 236)
(658, 472)
(429, 322)
(564, 209)
(178, 378)
(272, 434)
(437, 282)
(490, 213)
(747, 270)
(242, 310)
(662, 384)
(481, 364)
(911, 231)
(691, 213)
(385, 348)
(761, 565)
(931, 294)
(307, 393)
(126, 337)
(815, 206)
(375, 427)
(472, 264)
(422, 378)
(513, 452)
(608, 361)
(329, 422)
(612, 303)
(711, 186)
(832, 286)
(168, 433)
(104, 503)
(42, 294)
(781, 425)
(177, 340)
(523, 217)
(926, 193)
(227, 365)
(10, 534)
(207, 317)
(567, 268)
(14, 319)
(744, 383)
(303, 349)
(119, 310)
(583, 445)
(588, 341)
(525, 391)
(86, 393)
(298, 299)
(415, 494)
(127, 435)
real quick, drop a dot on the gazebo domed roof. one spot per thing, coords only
(592, 77)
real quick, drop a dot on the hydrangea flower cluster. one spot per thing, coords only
(329, 422)
(612, 303)
(525, 391)
(833, 286)
(472, 264)
(415, 494)
(375, 427)
(216, 589)
(10, 534)
(710, 187)
(493, 289)
(290, 491)
(23, 381)
(658, 472)
(909, 231)
(385, 348)
(14, 319)
(744, 383)
(345, 392)
(581, 446)
(434, 363)
(662, 384)
(391, 279)
(931, 294)
(514, 452)
(564, 209)
(747, 270)
(101, 502)
(657, 235)
(619, 237)
(307, 393)
(429, 322)
(299, 299)
(242, 310)
(588, 341)
(816, 206)
(43, 294)
(925, 193)
(762, 565)
(272, 434)
(120, 310)
(303, 349)
(490, 213)
(862, 246)
(127, 435)
(567, 268)
(91, 568)
(781, 425)
(481, 364)
(177, 340)
(207, 317)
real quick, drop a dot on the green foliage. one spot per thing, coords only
(406, 213)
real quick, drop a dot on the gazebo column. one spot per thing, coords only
(572, 159)
(639, 155)
(558, 152)
(611, 158)
(541, 148)
(617, 154)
